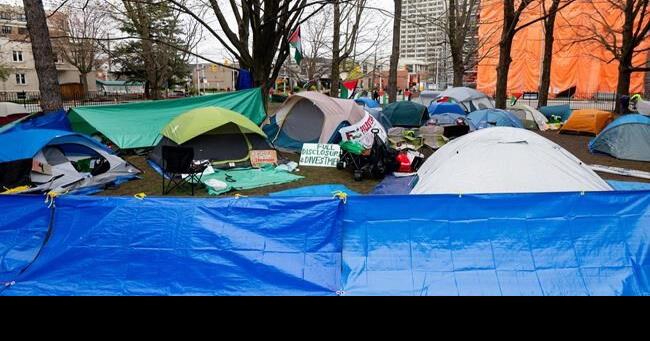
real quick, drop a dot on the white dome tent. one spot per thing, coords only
(504, 160)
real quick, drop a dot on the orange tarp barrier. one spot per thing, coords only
(585, 65)
(590, 121)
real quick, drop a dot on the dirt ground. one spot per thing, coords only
(151, 184)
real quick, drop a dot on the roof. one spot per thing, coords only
(138, 125)
(26, 143)
(199, 121)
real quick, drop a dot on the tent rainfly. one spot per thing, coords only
(469, 98)
(486, 118)
(58, 161)
(628, 137)
(311, 117)
(504, 160)
(406, 114)
(530, 117)
(587, 121)
(219, 135)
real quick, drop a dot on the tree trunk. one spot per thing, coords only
(622, 87)
(39, 35)
(549, 29)
(394, 57)
(505, 46)
(459, 72)
(336, 50)
(83, 79)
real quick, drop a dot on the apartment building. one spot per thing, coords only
(16, 55)
(212, 76)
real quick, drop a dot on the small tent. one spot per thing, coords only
(530, 117)
(561, 110)
(219, 135)
(367, 102)
(628, 137)
(406, 114)
(436, 108)
(311, 117)
(10, 112)
(494, 118)
(426, 97)
(58, 161)
(504, 160)
(469, 98)
(587, 121)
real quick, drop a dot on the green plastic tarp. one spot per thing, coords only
(248, 178)
(138, 125)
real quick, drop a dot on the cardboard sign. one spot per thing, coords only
(362, 131)
(260, 157)
(320, 155)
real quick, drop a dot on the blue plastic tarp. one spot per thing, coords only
(594, 243)
(327, 190)
(506, 244)
(394, 185)
(23, 227)
(629, 185)
(173, 246)
(56, 120)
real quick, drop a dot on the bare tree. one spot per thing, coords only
(512, 12)
(259, 38)
(621, 27)
(39, 35)
(315, 43)
(394, 57)
(549, 38)
(343, 45)
(81, 29)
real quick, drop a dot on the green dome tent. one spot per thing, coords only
(220, 135)
(406, 114)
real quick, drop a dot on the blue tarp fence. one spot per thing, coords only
(503, 244)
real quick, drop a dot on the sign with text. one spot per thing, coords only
(362, 131)
(260, 157)
(320, 155)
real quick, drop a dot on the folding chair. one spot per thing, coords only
(177, 161)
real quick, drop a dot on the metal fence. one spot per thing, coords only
(599, 100)
(31, 100)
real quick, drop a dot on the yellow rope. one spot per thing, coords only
(341, 195)
(237, 195)
(15, 190)
(140, 195)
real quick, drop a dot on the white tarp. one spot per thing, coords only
(504, 160)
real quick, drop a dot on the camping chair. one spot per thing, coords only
(177, 161)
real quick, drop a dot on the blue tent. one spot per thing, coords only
(450, 120)
(562, 110)
(628, 137)
(367, 102)
(494, 117)
(436, 108)
(26, 143)
(379, 115)
(56, 120)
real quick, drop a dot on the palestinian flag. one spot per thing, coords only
(294, 40)
(347, 86)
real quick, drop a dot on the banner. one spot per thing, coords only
(362, 131)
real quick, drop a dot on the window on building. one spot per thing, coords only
(22, 30)
(21, 17)
(5, 15)
(6, 29)
(18, 56)
(20, 79)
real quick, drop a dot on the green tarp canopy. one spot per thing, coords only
(138, 125)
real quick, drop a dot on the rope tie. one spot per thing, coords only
(140, 195)
(341, 195)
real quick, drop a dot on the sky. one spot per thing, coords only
(211, 48)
